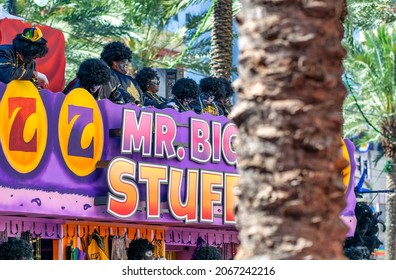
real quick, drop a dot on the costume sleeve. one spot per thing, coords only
(127, 97)
(196, 106)
(162, 105)
(147, 101)
(221, 107)
(116, 96)
(9, 71)
(111, 91)
(29, 73)
(72, 85)
(127, 88)
(7, 67)
(137, 87)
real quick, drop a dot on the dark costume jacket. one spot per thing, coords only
(224, 109)
(201, 106)
(129, 88)
(108, 91)
(196, 105)
(182, 108)
(12, 68)
(150, 99)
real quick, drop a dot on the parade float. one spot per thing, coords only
(72, 167)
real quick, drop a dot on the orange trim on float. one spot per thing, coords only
(73, 232)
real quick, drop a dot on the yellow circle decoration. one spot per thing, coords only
(24, 126)
(80, 132)
(346, 172)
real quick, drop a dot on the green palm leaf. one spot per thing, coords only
(371, 69)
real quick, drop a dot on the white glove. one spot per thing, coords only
(42, 78)
(173, 105)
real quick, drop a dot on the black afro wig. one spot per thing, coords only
(144, 75)
(138, 248)
(357, 253)
(115, 51)
(366, 232)
(207, 253)
(186, 88)
(93, 72)
(213, 86)
(227, 87)
(29, 50)
(16, 249)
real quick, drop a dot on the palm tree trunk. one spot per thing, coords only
(390, 236)
(221, 41)
(389, 145)
(289, 120)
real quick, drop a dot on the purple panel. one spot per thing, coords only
(53, 188)
(348, 213)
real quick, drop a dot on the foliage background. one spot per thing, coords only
(144, 25)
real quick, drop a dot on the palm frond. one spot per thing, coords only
(370, 79)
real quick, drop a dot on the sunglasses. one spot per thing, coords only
(155, 82)
(124, 61)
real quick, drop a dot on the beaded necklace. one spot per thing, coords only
(17, 59)
(155, 97)
(185, 108)
(200, 103)
(226, 110)
(23, 65)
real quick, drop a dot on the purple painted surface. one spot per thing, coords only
(53, 188)
(350, 193)
(53, 175)
(348, 213)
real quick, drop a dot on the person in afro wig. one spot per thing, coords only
(212, 91)
(205, 252)
(94, 75)
(185, 91)
(118, 57)
(16, 249)
(225, 103)
(17, 60)
(116, 51)
(365, 240)
(149, 81)
(147, 78)
(208, 253)
(140, 249)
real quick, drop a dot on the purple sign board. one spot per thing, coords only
(59, 153)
